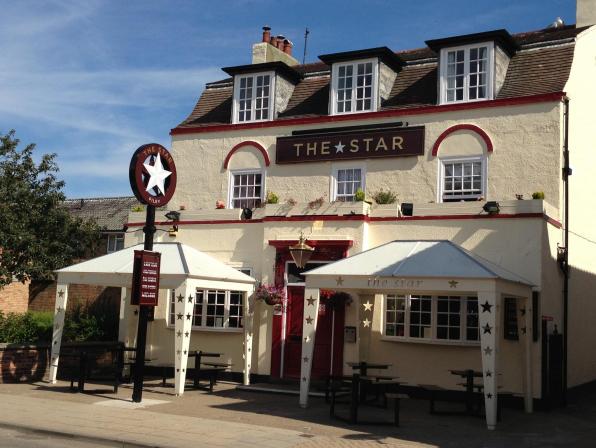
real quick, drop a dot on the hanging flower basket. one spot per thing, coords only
(270, 294)
(335, 298)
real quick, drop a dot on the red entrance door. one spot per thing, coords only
(328, 340)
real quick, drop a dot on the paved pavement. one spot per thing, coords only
(229, 417)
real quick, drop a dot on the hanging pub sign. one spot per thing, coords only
(348, 145)
(152, 175)
(145, 278)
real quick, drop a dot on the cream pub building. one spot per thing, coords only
(459, 272)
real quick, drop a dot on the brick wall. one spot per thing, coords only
(21, 363)
(42, 295)
(14, 298)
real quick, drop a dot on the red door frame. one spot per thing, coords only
(325, 250)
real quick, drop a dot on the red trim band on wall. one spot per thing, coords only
(530, 99)
(461, 127)
(247, 143)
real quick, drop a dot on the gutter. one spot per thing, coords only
(565, 268)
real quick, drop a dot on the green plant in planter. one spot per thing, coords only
(385, 197)
(359, 196)
(538, 195)
(272, 198)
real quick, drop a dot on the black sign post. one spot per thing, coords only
(152, 176)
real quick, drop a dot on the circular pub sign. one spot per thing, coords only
(152, 174)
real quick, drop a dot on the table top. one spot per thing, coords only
(204, 354)
(217, 364)
(367, 365)
(465, 373)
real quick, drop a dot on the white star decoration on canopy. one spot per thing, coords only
(157, 175)
(339, 148)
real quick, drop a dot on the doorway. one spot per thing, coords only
(328, 350)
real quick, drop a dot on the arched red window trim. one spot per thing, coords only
(247, 143)
(459, 127)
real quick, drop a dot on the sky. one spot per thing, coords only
(92, 80)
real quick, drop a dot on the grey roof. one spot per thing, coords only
(418, 259)
(111, 214)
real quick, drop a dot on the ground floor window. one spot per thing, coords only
(438, 318)
(115, 242)
(212, 309)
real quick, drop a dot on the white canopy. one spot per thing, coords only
(418, 259)
(178, 263)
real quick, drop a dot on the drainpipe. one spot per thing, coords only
(566, 174)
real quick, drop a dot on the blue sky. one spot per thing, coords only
(91, 80)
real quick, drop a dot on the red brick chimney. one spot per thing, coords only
(280, 42)
(266, 34)
(288, 47)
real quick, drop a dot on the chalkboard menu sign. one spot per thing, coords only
(510, 316)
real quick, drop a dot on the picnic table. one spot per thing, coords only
(362, 367)
(209, 369)
(384, 386)
(469, 375)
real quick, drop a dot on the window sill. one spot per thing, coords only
(212, 330)
(431, 341)
(446, 103)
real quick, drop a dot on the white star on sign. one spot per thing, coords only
(366, 323)
(339, 148)
(158, 175)
(367, 306)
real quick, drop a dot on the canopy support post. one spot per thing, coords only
(59, 313)
(309, 329)
(248, 330)
(184, 307)
(525, 331)
(489, 317)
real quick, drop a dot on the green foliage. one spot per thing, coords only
(137, 208)
(25, 328)
(38, 235)
(97, 322)
(538, 195)
(272, 198)
(385, 197)
(359, 195)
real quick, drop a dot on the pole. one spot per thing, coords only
(137, 391)
(566, 174)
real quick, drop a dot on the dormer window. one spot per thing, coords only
(252, 97)
(255, 95)
(472, 67)
(354, 87)
(467, 73)
(361, 79)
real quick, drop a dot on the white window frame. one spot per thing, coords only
(334, 175)
(483, 159)
(115, 237)
(374, 87)
(236, 102)
(233, 173)
(490, 72)
(434, 307)
(226, 328)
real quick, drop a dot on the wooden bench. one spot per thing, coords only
(433, 392)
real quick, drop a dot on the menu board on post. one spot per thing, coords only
(145, 278)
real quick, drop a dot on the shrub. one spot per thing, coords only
(538, 195)
(26, 328)
(272, 198)
(359, 195)
(385, 197)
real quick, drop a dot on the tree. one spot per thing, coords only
(37, 234)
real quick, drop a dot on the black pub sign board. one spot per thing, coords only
(350, 145)
(145, 278)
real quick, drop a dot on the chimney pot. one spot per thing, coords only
(273, 41)
(266, 33)
(288, 47)
(280, 42)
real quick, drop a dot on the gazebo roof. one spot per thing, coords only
(177, 261)
(418, 259)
